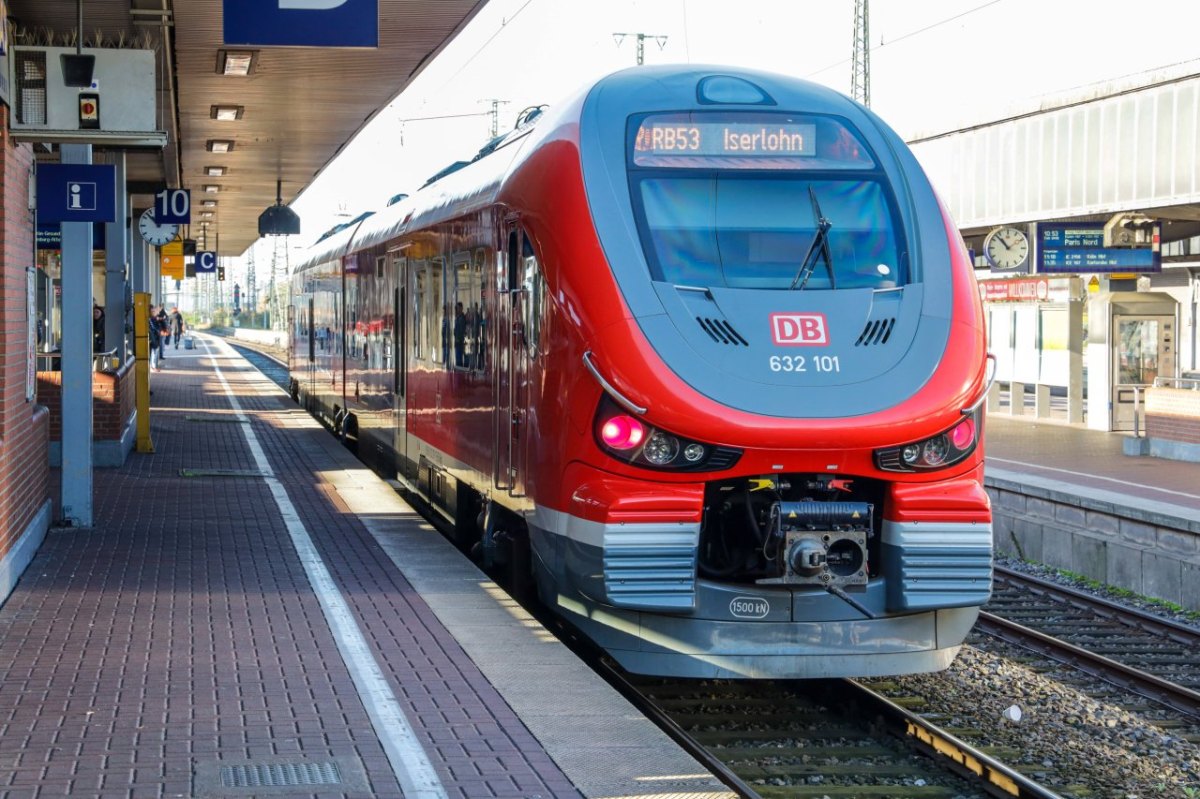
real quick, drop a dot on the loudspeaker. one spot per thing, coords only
(77, 70)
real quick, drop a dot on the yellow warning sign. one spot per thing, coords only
(1094, 284)
(172, 265)
(173, 247)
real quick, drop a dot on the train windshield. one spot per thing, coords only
(800, 204)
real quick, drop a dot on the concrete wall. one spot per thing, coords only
(1152, 550)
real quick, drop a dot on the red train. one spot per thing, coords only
(701, 352)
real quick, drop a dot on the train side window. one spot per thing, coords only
(478, 330)
(533, 284)
(460, 304)
(420, 290)
(437, 333)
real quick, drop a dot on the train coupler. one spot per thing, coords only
(821, 543)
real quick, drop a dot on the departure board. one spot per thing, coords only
(1079, 247)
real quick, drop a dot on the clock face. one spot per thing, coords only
(155, 233)
(1006, 248)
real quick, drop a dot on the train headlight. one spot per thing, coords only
(631, 440)
(661, 449)
(936, 452)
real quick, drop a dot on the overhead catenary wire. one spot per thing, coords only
(908, 35)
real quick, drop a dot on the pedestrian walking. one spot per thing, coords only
(177, 326)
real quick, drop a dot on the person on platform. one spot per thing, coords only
(97, 328)
(157, 329)
(177, 326)
(164, 331)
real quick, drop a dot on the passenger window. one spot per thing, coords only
(533, 284)
(419, 312)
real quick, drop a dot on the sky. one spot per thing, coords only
(935, 65)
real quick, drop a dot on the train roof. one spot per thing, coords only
(449, 194)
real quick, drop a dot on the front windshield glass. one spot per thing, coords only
(735, 230)
(735, 199)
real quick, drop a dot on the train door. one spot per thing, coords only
(1143, 348)
(400, 363)
(511, 370)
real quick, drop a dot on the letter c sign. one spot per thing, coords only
(206, 262)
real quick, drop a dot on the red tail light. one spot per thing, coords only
(623, 432)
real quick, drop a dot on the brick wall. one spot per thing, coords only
(1173, 414)
(112, 402)
(24, 460)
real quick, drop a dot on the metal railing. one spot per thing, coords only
(101, 361)
(1192, 383)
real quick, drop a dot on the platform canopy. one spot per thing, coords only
(293, 112)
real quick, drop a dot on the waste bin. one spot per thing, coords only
(189, 343)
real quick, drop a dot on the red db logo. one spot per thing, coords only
(799, 329)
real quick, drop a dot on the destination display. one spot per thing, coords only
(727, 138)
(766, 141)
(1079, 247)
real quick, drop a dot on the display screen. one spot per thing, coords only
(747, 140)
(727, 138)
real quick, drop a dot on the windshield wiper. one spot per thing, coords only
(818, 248)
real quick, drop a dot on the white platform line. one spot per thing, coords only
(416, 774)
(1118, 481)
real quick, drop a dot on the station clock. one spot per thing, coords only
(155, 233)
(1006, 247)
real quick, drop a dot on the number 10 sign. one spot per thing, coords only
(173, 207)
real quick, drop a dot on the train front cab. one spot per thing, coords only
(817, 543)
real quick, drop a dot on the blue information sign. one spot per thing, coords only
(1079, 247)
(206, 263)
(302, 23)
(76, 193)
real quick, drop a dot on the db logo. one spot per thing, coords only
(799, 329)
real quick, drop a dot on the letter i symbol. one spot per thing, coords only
(74, 203)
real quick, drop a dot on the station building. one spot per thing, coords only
(1077, 315)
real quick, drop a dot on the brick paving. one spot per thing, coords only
(180, 633)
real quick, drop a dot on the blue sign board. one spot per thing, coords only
(206, 263)
(173, 207)
(76, 193)
(1079, 247)
(302, 23)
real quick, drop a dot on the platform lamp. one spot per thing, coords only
(278, 220)
(77, 69)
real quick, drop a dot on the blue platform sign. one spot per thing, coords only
(76, 193)
(302, 23)
(206, 263)
(1079, 247)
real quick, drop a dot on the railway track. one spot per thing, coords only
(1138, 652)
(822, 739)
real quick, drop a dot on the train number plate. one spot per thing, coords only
(804, 363)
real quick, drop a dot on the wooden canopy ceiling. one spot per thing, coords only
(296, 109)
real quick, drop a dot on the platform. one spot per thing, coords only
(256, 614)
(1069, 497)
